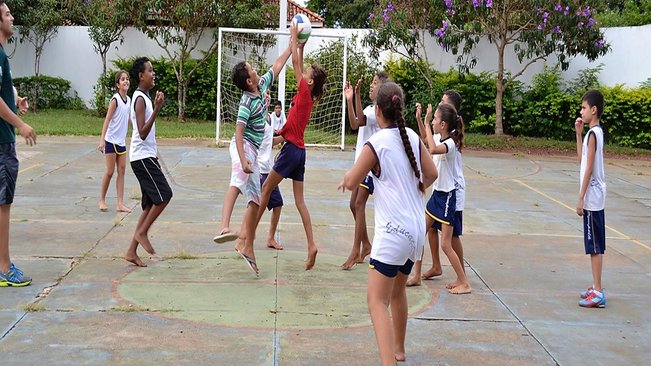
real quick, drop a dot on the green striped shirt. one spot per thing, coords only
(252, 111)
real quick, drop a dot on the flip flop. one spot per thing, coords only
(225, 236)
(250, 262)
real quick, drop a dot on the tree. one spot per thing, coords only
(343, 14)
(178, 26)
(625, 13)
(40, 23)
(535, 29)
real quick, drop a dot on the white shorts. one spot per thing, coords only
(248, 184)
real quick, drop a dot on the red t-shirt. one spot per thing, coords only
(299, 116)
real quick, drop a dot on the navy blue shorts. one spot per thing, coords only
(276, 199)
(290, 163)
(153, 184)
(391, 270)
(368, 184)
(594, 232)
(111, 148)
(457, 225)
(441, 207)
(8, 172)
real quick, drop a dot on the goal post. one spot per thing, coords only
(326, 126)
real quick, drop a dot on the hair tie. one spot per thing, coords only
(395, 98)
(458, 117)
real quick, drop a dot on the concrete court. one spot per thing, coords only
(198, 304)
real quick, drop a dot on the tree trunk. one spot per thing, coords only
(499, 84)
(183, 90)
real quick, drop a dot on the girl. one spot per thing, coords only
(401, 170)
(452, 98)
(291, 160)
(441, 208)
(366, 124)
(112, 142)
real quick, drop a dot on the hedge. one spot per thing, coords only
(45, 92)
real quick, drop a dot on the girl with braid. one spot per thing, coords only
(441, 207)
(401, 169)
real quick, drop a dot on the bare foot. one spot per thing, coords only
(413, 281)
(240, 245)
(123, 208)
(273, 244)
(400, 356)
(102, 206)
(452, 285)
(249, 257)
(366, 250)
(311, 257)
(146, 244)
(431, 273)
(135, 260)
(350, 262)
(461, 289)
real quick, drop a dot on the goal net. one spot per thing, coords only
(261, 48)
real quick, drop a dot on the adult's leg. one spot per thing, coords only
(307, 223)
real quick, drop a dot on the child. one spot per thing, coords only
(10, 275)
(277, 117)
(143, 155)
(441, 208)
(452, 98)
(592, 193)
(291, 160)
(400, 180)
(112, 142)
(365, 123)
(249, 134)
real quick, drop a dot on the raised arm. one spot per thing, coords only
(578, 127)
(361, 118)
(297, 53)
(427, 166)
(349, 93)
(585, 179)
(281, 61)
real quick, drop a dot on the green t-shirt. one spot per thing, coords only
(252, 111)
(7, 133)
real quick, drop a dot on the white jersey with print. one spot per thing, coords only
(277, 122)
(266, 151)
(364, 132)
(141, 149)
(399, 204)
(595, 195)
(116, 132)
(446, 167)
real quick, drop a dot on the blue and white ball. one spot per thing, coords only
(302, 22)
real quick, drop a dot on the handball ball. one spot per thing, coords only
(302, 22)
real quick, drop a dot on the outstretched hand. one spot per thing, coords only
(428, 113)
(419, 113)
(348, 91)
(358, 86)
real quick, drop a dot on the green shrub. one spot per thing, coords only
(45, 92)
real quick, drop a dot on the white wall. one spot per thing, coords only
(70, 55)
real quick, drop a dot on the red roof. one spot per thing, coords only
(293, 8)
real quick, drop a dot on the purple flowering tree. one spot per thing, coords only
(533, 29)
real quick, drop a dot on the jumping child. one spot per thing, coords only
(291, 160)
(366, 124)
(112, 142)
(143, 155)
(402, 170)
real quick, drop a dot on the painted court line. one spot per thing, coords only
(623, 236)
(28, 168)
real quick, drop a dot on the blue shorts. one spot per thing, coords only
(8, 172)
(594, 232)
(368, 184)
(457, 225)
(276, 199)
(441, 207)
(290, 163)
(111, 148)
(391, 270)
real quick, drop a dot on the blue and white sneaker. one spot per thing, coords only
(594, 300)
(14, 278)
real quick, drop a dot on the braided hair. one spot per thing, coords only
(390, 100)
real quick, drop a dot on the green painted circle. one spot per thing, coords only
(223, 291)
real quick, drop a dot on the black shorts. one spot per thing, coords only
(594, 232)
(391, 270)
(8, 172)
(276, 199)
(111, 148)
(153, 184)
(290, 163)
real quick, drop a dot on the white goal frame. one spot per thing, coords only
(281, 91)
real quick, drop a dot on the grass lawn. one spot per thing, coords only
(87, 123)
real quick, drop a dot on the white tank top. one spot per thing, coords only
(141, 149)
(364, 132)
(119, 124)
(446, 167)
(595, 195)
(399, 204)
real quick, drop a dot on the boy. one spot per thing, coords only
(249, 134)
(592, 194)
(143, 155)
(277, 117)
(9, 274)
